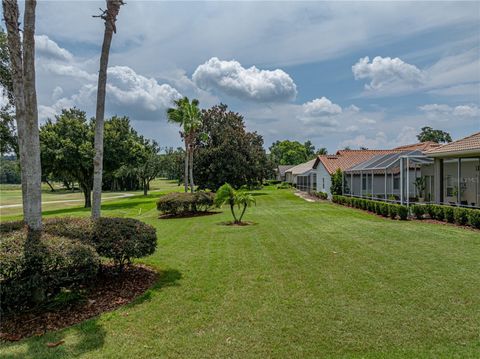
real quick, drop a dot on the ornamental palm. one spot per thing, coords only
(227, 195)
(188, 116)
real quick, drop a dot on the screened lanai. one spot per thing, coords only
(389, 177)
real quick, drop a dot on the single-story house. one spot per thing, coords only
(300, 176)
(326, 165)
(280, 171)
(453, 176)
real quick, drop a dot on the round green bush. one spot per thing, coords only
(181, 202)
(392, 211)
(122, 239)
(71, 227)
(460, 216)
(449, 214)
(402, 212)
(439, 213)
(418, 211)
(474, 218)
(35, 266)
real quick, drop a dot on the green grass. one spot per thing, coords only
(308, 280)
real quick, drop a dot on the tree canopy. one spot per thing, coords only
(293, 152)
(429, 134)
(227, 153)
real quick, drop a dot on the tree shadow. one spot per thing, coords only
(188, 215)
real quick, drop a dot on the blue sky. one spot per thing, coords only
(340, 74)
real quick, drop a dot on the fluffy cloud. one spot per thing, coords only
(69, 71)
(126, 87)
(48, 48)
(441, 111)
(321, 107)
(252, 84)
(383, 71)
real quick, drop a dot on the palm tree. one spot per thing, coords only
(226, 194)
(110, 17)
(188, 116)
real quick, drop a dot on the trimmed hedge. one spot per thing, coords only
(459, 215)
(34, 267)
(181, 202)
(321, 195)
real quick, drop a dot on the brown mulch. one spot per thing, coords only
(188, 214)
(109, 291)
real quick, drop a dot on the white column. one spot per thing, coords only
(385, 184)
(459, 175)
(351, 184)
(408, 182)
(401, 180)
(343, 182)
(372, 184)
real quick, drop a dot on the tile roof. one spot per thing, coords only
(348, 158)
(302, 168)
(422, 146)
(466, 145)
(283, 168)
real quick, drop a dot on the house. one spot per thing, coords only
(280, 171)
(301, 176)
(326, 165)
(453, 176)
(425, 172)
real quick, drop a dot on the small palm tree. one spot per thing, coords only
(187, 114)
(226, 194)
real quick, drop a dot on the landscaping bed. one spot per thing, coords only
(108, 291)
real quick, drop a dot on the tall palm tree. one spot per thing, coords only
(110, 17)
(188, 116)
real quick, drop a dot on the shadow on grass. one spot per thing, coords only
(88, 335)
(188, 215)
(233, 224)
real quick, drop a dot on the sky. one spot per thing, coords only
(339, 74)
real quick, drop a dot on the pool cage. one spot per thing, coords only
(391, 177)
(307, 182)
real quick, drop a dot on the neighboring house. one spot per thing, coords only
(326, 165)
(301, 176)
(281, 171)
(454, 175)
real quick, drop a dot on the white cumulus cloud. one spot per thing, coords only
(382, 71)
(127, 87)
(252, 83)
(441, 111)
(321, 107)
(48, 48)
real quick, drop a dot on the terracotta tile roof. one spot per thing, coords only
(348, 158)
(422, 146)
(467, 145)
(302, 168)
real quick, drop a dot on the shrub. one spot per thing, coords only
(460, 216)
(448, 212)
(418, 211)
(35, 266)
(6, 227)
(71, 227)
(284, 185)
(122, 239)
(474, 218)
(384, 209)
(392, 211)
(439, 213)
(321, 195)
(181, 202)
(430, 210)
(402, 212)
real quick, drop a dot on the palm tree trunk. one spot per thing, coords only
(23, 78)
(192, 185)
(243, 212)
(110, 16)
(185, 175)
(232, 209)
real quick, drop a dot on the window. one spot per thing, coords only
(364, 183)
(396, 182)
(323, 182)
(449, 184)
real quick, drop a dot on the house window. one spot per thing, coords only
(449, 184)
(366, 182)
(396, 182)
(323, 182)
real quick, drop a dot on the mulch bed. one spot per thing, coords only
(188, 214)
(110, 291)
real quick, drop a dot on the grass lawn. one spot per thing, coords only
(308, 280)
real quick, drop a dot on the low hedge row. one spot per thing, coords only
(384, 209)
(181, 202)
(321, 195)
(34, 266)
(458, 215)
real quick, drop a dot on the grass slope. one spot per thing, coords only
(308, 280)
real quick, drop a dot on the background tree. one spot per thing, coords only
(336, 187)
(67, 149)
(188, 116)
(429, 134)
(110, 17)
(8, 137)
(292, 152)
(321, 151)
(22, 59)
(172, 164)
(149, 165)
(227, 153)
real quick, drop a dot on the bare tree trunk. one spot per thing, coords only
(23, 73)
(185, 176)
(87, 195)
(110, 16)
(192, 185)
